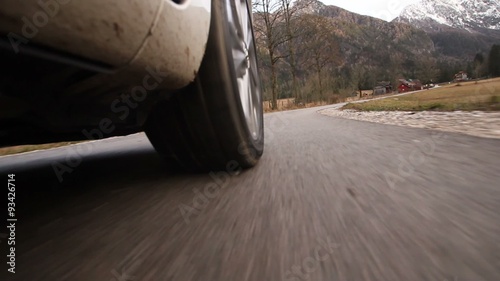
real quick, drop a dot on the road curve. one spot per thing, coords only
(331, 199)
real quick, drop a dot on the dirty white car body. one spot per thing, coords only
(127, 34)
(112, 67)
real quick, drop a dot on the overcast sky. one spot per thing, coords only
(383, 9)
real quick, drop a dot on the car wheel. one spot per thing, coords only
(216, 122)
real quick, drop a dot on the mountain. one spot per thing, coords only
(430, 41)
(471, 15)
(459, 28)
(371, 41)
(360, 50)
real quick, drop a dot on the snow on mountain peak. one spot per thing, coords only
(466, 14)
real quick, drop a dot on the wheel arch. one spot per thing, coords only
(180, 34)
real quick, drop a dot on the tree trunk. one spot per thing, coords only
(320, 82)
(293, 69)
(274, 90)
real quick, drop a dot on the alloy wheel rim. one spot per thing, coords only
(245, 64)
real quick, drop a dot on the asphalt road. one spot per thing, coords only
(331, 199)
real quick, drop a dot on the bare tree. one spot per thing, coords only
(427, 69)
(396, 68)
(291, 14)
(361, 77)
(288, 13)
(268, 17)
(319, 46)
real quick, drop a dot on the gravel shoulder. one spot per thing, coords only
(476, 123)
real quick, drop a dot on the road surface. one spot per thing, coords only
(331, 199)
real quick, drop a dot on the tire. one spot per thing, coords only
(216, 123)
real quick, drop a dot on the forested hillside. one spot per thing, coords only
(313, 52)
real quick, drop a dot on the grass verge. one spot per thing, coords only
(32, 147)
(470, 96)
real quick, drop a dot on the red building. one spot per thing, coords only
(409, 85)
(403, 88)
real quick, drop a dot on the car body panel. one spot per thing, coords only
(127, 35)
(180, 57)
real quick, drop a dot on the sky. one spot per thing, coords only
(382, 9)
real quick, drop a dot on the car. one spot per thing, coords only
(183, 71)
